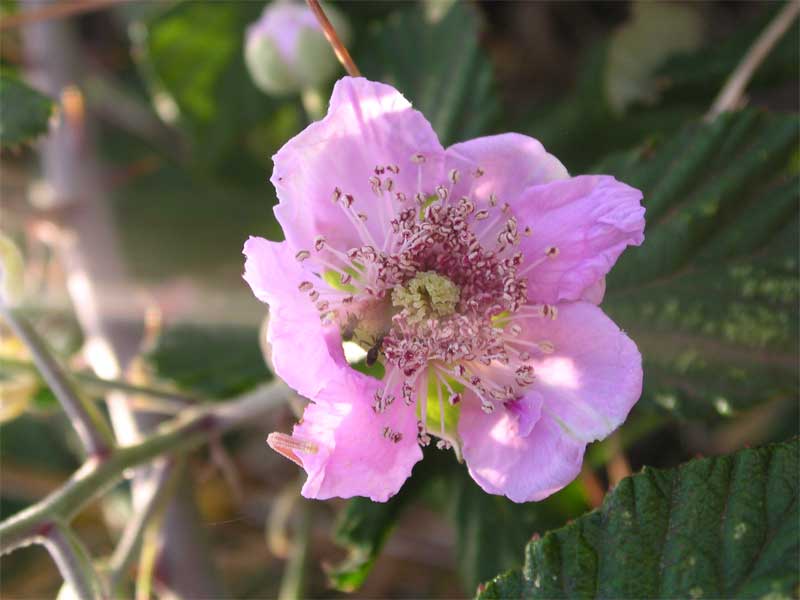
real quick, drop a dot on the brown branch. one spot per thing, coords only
(333, 39)
(58, 10)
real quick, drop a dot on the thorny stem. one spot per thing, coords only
(731, 93)
(174, 401)
(55, 11)
(180, 434)
(87, 421)
(333, 39)
(162, 483)
(72, 560)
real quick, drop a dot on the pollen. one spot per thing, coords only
(425, 296)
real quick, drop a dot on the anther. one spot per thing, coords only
(319, 243)
(305, 286)
(551, 251)
(418, 158)
(302, 255)
(454, 176)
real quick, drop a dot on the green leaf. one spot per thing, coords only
(711, 296)
(25, 112)
(193, 53)
(217, 362)
(438, 65)
(364, 526)
(724, 527)
(700, 75)
(490, 529)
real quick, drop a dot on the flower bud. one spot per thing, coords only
(286, 51)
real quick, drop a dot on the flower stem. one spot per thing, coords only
(72, 560)
(731, 93)
(161, 483)
(92, 430)
(182, 433)
(333, 39)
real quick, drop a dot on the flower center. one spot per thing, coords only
(426, 296)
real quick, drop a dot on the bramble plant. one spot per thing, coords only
(554, 384)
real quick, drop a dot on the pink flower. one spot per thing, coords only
(471, 275)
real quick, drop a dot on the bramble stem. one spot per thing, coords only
(183, 433)
(92, 430)
(72, 560)
(333, 39)
(161, 483)
(731, 93)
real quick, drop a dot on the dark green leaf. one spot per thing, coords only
(724, 527)
(216, 362)
(24, 112)
(490, 530)
(711, 296)
(364, 526)
(438, 65)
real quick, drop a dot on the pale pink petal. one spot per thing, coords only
(524, 468)
(593, 376)
(595, 292)
(589, 220)
(353, 451)
(294, 329)
(368, 124)
(510, 162)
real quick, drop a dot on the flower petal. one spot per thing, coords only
(354, 454)
(593, 377)
(590, 220)
(294, 328)
(524, 468)
(368, 124)
(510, 162)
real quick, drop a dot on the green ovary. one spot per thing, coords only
(426, 295)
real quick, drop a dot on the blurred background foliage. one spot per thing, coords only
(184, 140)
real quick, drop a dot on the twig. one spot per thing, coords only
(293, 580)
(174, 401)
(183, 433)
(72, 560)
(162, 483)
(89, 425)
(55, 11)
(731, 94)
(333, 39)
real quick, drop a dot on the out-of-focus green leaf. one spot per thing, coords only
(193, 53)
(655, 31)
(364, 526)
(724, 527)
(438, 64)
(24, 112)
(491, 530)
(582, 127)
(711, 296)
(700, 75)
(216, 362)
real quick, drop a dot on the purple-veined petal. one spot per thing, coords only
(524, 468)
(355, 451)
(294, 329)
(510, 163)
(368, 124)
(588, 220)
(592, 378)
